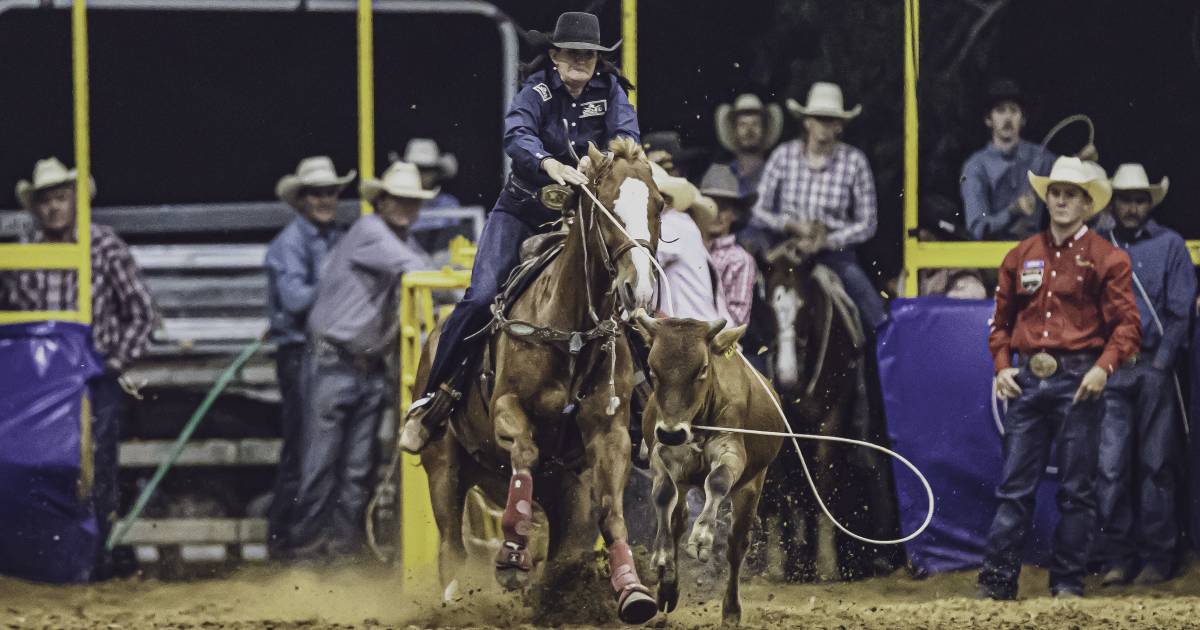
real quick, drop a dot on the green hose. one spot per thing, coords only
(119, 532)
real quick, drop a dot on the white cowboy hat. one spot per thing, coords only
(401, 179)
(48, 173)
(1133, 177)
(682, 193)
(424, 153)
(1072, 170)
(746, 104)
(824, 99)
(312, 172)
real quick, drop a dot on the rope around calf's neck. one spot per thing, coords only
(829, 438)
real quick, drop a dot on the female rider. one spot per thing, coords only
(569, 97)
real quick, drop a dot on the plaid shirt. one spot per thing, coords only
(122, 311)
(841, 195)
(736, 269)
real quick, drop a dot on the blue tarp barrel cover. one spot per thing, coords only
(936, 377)
(46, 532)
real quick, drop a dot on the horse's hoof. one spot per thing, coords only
(512, 578)
(451, 593)
(668, 595)
(513, 566)
(636, 607)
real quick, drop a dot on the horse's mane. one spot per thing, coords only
(627, 148)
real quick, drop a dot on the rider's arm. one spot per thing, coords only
(521, 127)
(764, 214)
(862, 194)
(1180, 291)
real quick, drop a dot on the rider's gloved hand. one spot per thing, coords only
(562, 173)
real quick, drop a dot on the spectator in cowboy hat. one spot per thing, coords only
(293, 263)
(749, 130)
(1139, 436)
(122, 320)
(436, 168)
(735, 266)
(824, 187)
(351, 329)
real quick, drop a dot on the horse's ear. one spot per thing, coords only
(646, 324)
(725, 339)
(595, 154)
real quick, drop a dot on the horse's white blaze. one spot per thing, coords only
(633, 208)
(786, 303)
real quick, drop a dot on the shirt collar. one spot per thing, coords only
(1071, 239)
(833, 157)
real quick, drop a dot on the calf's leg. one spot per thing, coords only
(745, 504)
(728, 459)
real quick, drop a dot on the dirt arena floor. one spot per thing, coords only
(264, 597)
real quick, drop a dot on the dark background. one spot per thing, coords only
(214, 107)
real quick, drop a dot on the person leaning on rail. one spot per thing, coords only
(351, 327)
(569, 97)
(293, 263)
(1065, 307)
(122, 319)
(1140, 434)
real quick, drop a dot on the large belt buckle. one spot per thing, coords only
(1043, 365)
(556, 196)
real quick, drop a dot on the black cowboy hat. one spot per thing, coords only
(576, 30)
(1001, 90)
(670, 143)
(942, 217)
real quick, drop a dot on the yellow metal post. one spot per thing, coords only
(629, 23)
(911, 161)
(366, 94)
(418, 531)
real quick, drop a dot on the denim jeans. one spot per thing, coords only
(1139, 451)
(338, 454)
(499, 252)
(108, 409)
(289, 370)
(1043, 414)
(844, 262)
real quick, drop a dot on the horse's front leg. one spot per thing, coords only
(607, 440)
(728, 460)
(514, 432)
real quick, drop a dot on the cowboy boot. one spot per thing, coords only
(425, 417)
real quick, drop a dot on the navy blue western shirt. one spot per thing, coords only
(534, 129)
(1162, 264)
(294, 260)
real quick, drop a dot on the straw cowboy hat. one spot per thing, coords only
(726, 114)
(424, 153)
(1133, 177)
(312, 172)
(825, 100)
(1072, 170)
(48, 173)
(401, 179)
(682, 193)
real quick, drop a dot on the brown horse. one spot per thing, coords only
(548, 421)
(818, 368)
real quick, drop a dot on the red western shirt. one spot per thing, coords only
(1077, 295)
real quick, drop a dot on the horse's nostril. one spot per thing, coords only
(627, 294)
(671, 438)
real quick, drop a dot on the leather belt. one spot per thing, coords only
(1046, 363)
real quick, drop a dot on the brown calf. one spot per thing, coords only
(699, 378)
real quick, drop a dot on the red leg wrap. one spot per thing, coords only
(518, 513)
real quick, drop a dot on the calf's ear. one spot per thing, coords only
(726, 339)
